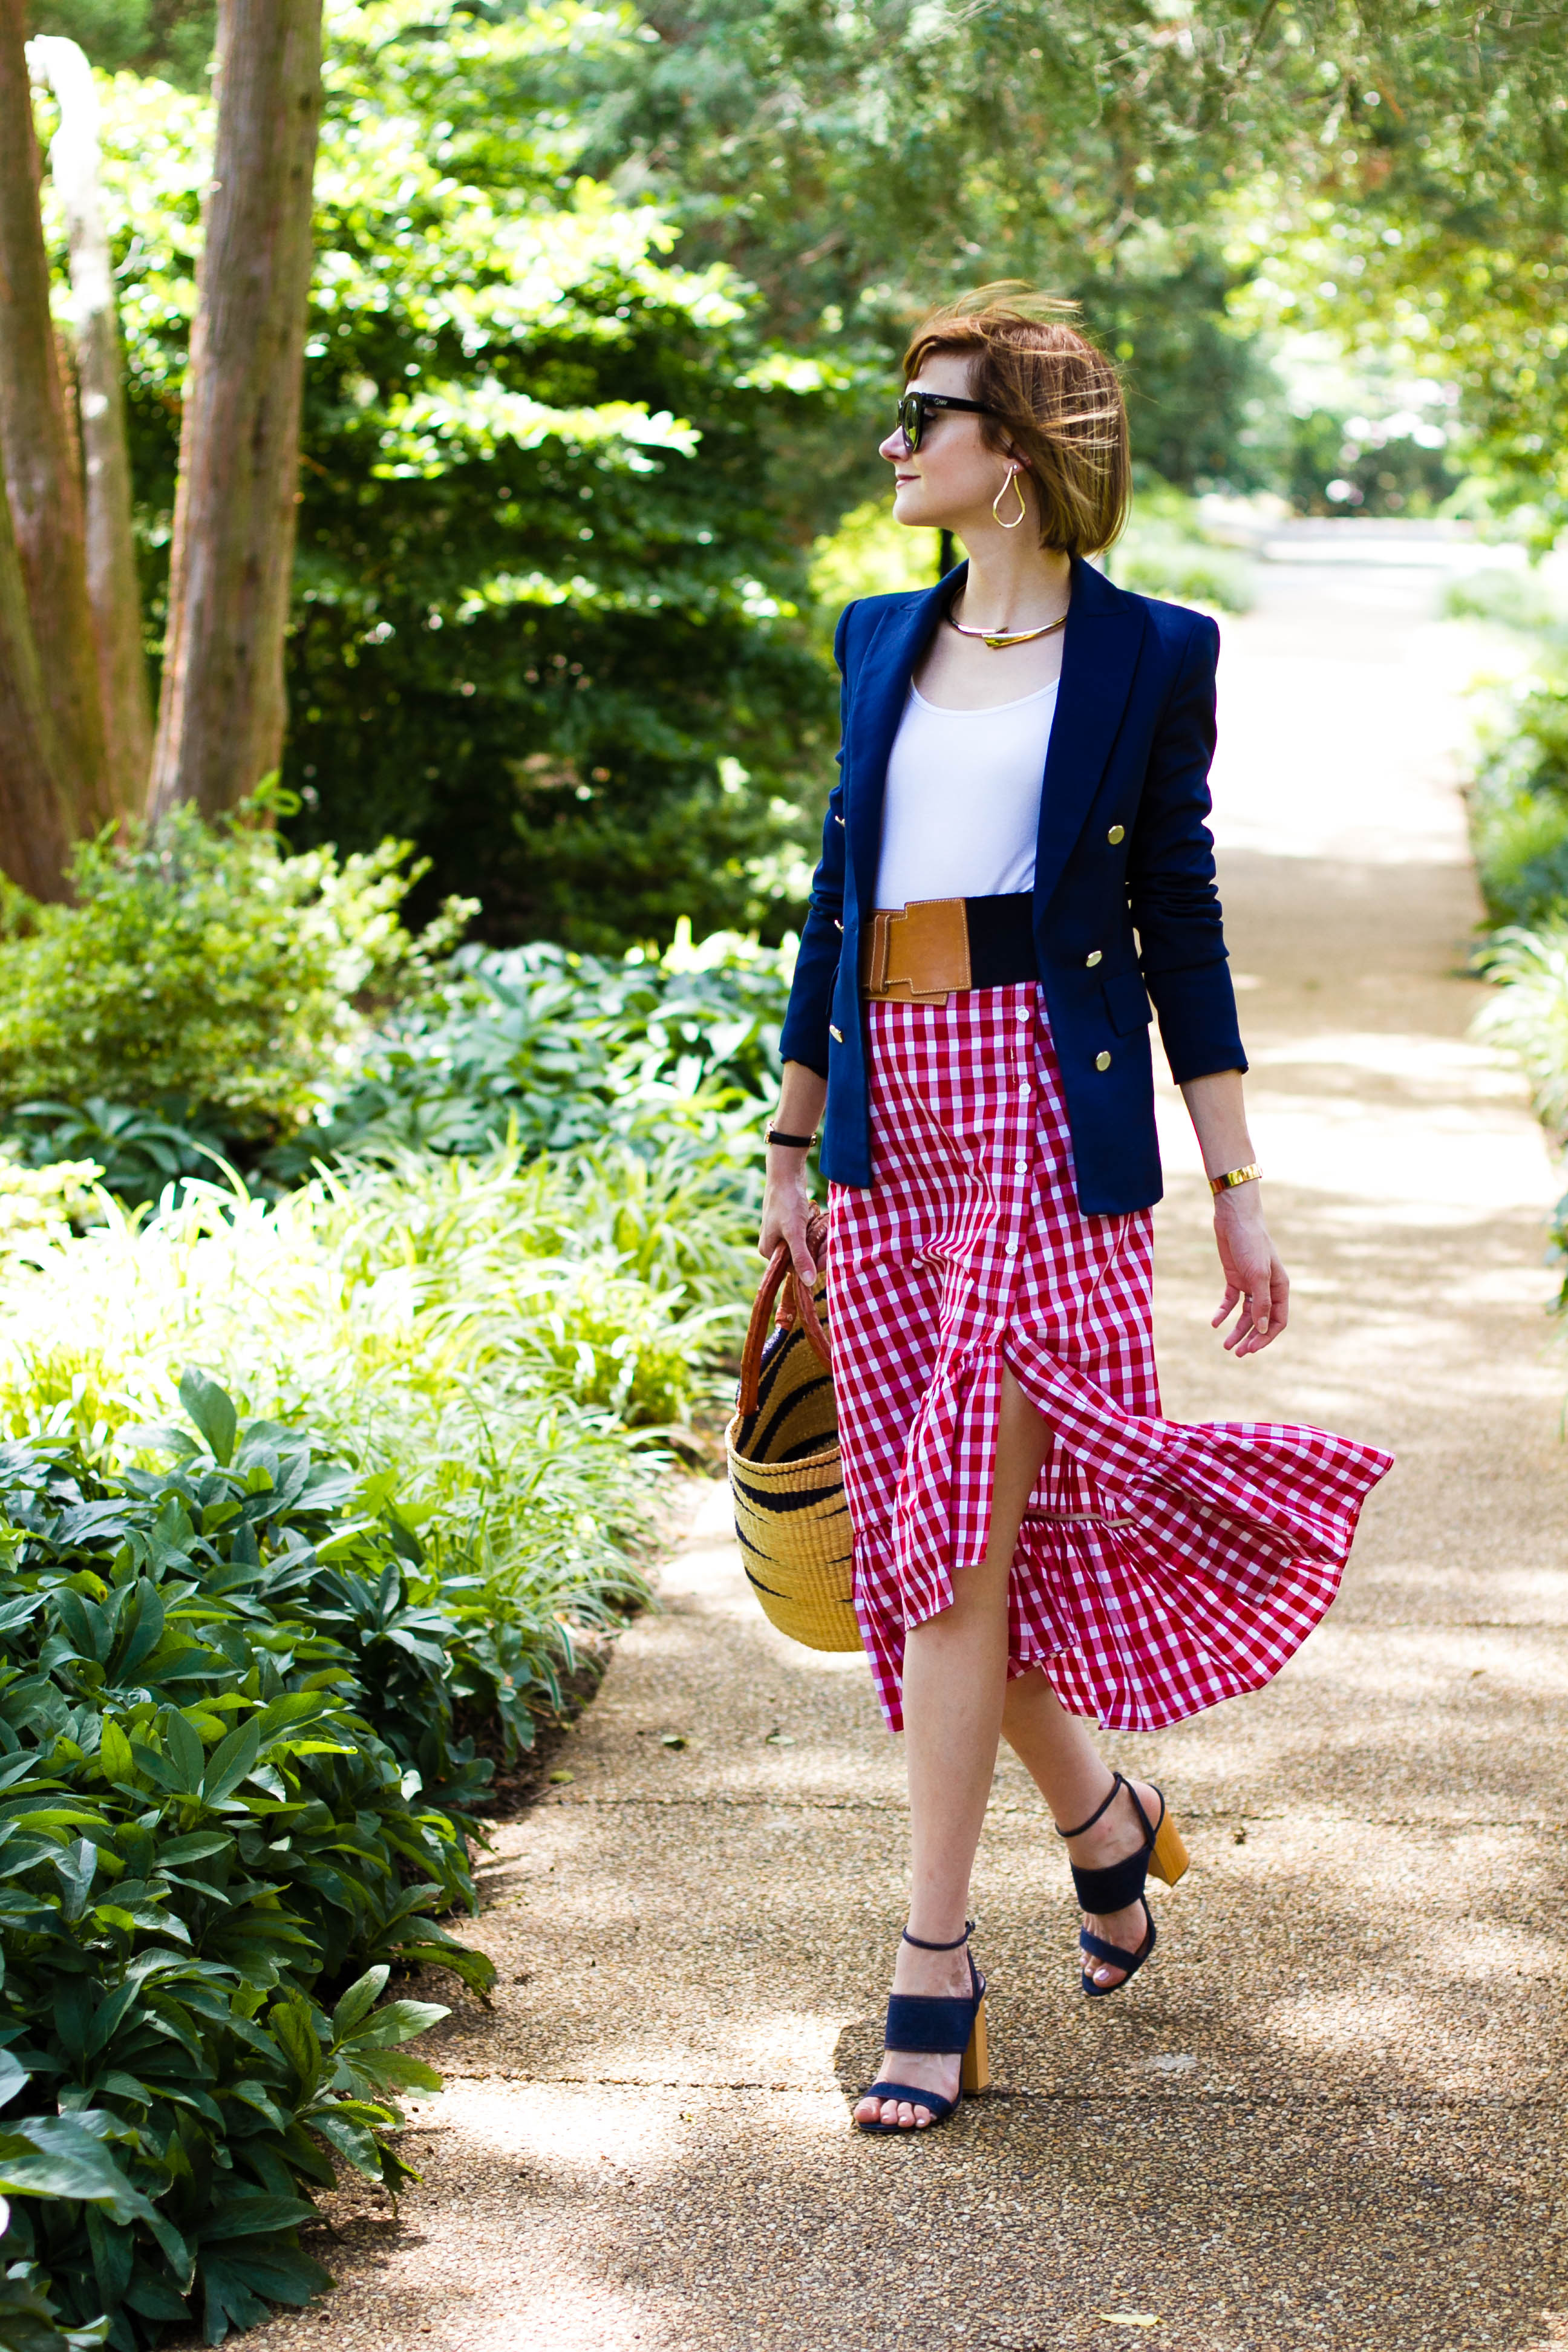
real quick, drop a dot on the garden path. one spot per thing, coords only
(1331, 2112)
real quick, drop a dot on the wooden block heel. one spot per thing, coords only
(1170, 1857)
(975, 2073)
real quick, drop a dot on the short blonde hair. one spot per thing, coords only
(1051, 396)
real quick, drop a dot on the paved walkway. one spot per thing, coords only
(1331, 2112)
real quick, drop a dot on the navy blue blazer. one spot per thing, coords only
(1125, 905)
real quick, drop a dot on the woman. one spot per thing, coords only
(1015, 861)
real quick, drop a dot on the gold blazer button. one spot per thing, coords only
(1117, 836)
(838, 1036)
(1091, 959)
(1102, 1061)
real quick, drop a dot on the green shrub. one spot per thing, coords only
(202, 968)
(1522, 852)
(230, 1795)
(1527, 1015)
(476, 1333)
(1519, 805)
(554, 1051)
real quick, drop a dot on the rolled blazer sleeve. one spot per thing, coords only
(1171, 887)
(804, 1034)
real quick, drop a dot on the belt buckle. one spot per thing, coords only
(935, 946)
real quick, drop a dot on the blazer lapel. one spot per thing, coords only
(881, 689)
(1100, 654)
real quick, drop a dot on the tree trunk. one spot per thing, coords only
(220, 717)
(41, 480)
(112, 583)
(34, 840)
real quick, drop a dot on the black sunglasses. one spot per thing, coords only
(915, 407)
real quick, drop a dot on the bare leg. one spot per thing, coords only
(955, 1679)
(1060, 1756)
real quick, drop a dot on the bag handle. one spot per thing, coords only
(801, 1300)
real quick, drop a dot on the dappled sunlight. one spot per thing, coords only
(569, 2134)
(1499, 1955)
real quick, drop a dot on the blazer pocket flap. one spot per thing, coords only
(1127, 1002)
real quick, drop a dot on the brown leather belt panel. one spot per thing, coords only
(919, 953)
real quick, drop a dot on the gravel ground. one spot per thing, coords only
(1330, 2113)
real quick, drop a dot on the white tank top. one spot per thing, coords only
(961, 814)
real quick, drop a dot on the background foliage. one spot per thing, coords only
(607, 307)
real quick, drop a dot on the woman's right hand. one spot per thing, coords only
(790, 1215)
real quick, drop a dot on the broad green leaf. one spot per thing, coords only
(392, 2070)
(210, 1410)
(185, 1750)
(400, 2021)
(359, 2001)
(291, 2022)
(195, 1847)
(231, 1760)
(13, 2078)
(243, 2215)
(114, 1754)
(351, 2140)
(58, 2156)
(148, 1630)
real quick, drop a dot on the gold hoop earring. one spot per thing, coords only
(1013, 484)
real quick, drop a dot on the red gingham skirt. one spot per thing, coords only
(1159, 1567)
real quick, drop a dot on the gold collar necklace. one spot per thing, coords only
(999, 638)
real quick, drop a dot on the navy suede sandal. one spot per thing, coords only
(926, 2022)
(1120, 1884)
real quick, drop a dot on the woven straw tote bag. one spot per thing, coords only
(785, 1477)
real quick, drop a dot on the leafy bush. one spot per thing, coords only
(204, 967)
(232, 1794)
(476, 1333)
(1519, 804)
(133, 1153)
(1528, 1016)
(554, 1051)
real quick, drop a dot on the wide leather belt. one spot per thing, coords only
(921, 953)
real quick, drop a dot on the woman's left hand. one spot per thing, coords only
(1254, 1281)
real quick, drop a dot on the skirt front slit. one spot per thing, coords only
(1159, 1567)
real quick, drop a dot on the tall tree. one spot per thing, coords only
(34, 839)
(112, 583)
(220, 718)
(44, 494)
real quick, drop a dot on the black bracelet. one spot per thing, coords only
(791, 1142)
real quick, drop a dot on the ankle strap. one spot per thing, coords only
(922, 1946)
(1116, 1782)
